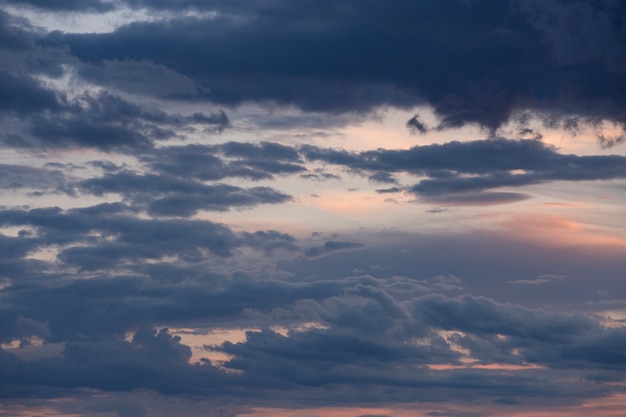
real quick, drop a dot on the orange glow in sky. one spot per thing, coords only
(606, 407)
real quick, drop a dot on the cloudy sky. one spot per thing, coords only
(322, 208)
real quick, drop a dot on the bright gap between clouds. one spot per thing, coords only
(604, 407)
(201, 340)
(98, 22)
(197, 339)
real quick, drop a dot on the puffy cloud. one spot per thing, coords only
(371, 337)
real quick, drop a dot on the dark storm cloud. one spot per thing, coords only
(143, 78)
(474, 62)
(102, 120)
(491, 164)
(39, 115)
(23, 95)
(107, 121)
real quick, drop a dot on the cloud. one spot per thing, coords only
(541, 279)
(479, 315)
(436, 210)
(102, 237)
(366, 326)
(476, 199)
(106, 121)
(143, 78)
(71, 5)
(123, 409)
(373, 335)
(24, 95)
(101, 120)
(231, 159)
(383, 177)
(45, 103)
(165, 195)
(331, 246)
(514, 57)
(123, 277)
(416, 125)
(20, 176)
(466, 170)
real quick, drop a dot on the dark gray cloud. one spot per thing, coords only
(65, 5)
(143, 78)
(514, 55)
(20, 176)
(50, 117)
(367, 326)
(455, 173)
(491, 164)
(416, 125)
(557, 340)
(174, 196)
(331, 246)
(513, 60)
(383, 177)
(89, 294)
(479, 316)
(231, 159)
(373, 342)
(106, 121)
(104, 236)
(178, 185)
(24, 95)
(102, 120)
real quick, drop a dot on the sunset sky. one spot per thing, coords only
(312, 208)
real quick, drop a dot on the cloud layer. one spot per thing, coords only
(203, 202)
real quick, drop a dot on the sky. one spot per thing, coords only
(283, 208)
